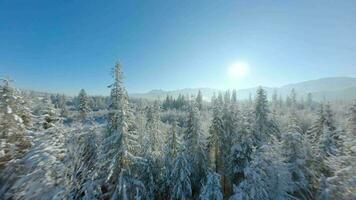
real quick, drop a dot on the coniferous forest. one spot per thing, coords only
(267, 147)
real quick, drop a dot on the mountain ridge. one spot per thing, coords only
(333, 88)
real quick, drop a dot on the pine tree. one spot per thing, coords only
(241, 151)
(265, 130)
(266, 177)
(293, 98)
(199, 100)
(230, 130)
(211, 190)
(194, 141)
(180, 176)
(215, 132)
(234, 97)
(330, 139)
(119, 145)
(170, 153)
(154, 139)
(295, 150)
(83, 106)
(13, 141)
(49, 115)
(274, 99)
(316, 130)
(81, 165)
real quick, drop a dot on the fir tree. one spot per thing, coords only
(81, 166)
(266, 177)
(241, 151)
(295, 150)
(180, 176)
(194, 141)
(13, 140)
(154, 139)
(119, 145)
(265, 131)
(170, 153)
(83, 106)
(199, 100)
(211, 190)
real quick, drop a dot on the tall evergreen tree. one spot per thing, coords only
(215, 131)
(81, 167)
(180, 176)
(211, 190)
(266, 177)
(241, 151)
(13, 140)
(265, 130)
(119, 146)
(195, 142)
(170, 153)
(154, 139)
(296, 151)
(234, 97)
(83, 106)
(199, 100)
(293, 98)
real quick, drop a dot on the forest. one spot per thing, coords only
(267, 147)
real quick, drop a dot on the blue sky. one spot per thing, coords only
(66, 45)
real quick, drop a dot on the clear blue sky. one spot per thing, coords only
(66, 45)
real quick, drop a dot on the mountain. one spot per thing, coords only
(331, 88)
(161, 94)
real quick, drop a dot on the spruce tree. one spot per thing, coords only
(265, 130)
(195, 142)
(199, 100)
(119, 145)
(170, 153)
(211, 190)
(180, 176)
(83, 106)
(295, 149)
(13, 140)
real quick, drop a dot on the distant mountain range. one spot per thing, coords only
(332, 88)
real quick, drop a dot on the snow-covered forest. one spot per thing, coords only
(54, 146)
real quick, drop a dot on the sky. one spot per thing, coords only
(63, 46)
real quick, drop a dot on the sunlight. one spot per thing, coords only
(238, 70)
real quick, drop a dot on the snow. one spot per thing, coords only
(8, 110)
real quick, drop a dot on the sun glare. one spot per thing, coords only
(238, 70)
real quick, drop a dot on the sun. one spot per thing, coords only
(238, 70)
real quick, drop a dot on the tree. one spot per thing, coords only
(234, 97)
(295, 150)
(316, 130)
(293, 98)
(274, 98)
(329, 141)
(13, 140)
(49, 115)
(194, 141)
(242, 149)
(180, 176)
(170, 153)
(199, 100)
(265, 130)
(83, 106)
(215, 130)
(81, 165)
(119, 145)
(154, 137)
(211, 190)
(266, 177)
